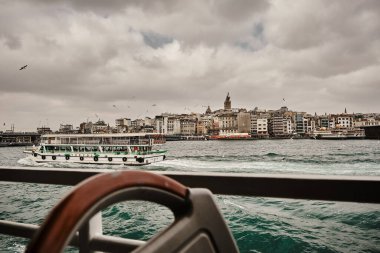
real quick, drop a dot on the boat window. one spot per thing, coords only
(49, 148)
(107, 149)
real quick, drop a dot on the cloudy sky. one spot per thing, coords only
(109, 59)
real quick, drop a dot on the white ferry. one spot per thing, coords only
(339, 134)
(113, 149)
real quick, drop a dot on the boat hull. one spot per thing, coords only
(129, 160)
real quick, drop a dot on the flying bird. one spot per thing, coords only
(283, 99)
(154, 105)
(23, 67)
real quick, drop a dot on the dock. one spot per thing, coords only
(11, 139)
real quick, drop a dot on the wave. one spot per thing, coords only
(272, 154)
(349, 154)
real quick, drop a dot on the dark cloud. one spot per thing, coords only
(156, 40)
(86, 56)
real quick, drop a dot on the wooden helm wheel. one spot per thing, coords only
(96, 193)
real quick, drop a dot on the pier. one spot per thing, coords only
(19, 139)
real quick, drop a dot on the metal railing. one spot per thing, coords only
(90, 238)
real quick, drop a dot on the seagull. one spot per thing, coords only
(154, 105)
(23, 67)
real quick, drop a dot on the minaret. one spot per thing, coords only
(227, 102)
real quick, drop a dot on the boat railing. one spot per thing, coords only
(362, 189)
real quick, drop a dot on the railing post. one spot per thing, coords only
(89, 230)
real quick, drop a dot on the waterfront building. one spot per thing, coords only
(301, 123)
(360, 122)
(262, 127)
(174, 126)
(277, 125)
(136, 126)
(85, 128)
(254, 118)
(244, 122)
(280, 125)
(66, 129)
(259, 124)
(331, 122)
(344, 121)
(288, 126)
(100, 127)
(205, 124)
(201, 128)
(137, 123)
(324, 122)
(309, 122)
(188, 127)
(161, 124)
(122, 125)
(148, 121)
(227, 123)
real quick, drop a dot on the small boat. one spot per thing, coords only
(231, 136)
(112, 149)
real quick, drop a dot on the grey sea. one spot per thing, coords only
(257, 224)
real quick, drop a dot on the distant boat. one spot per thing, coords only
(113, 149)
(231, 136)
(339, 134)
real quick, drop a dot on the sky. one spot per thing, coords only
(90, 60)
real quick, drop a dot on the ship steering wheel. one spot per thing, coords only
(193, 230)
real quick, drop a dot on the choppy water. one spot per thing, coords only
(258, 224)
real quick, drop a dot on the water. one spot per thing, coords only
(258, 224)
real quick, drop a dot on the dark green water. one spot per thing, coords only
(258, 224)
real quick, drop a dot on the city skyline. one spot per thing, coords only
(86, 61)
(226, 109)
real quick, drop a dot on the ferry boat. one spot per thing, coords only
(339, 134)
(113, 149)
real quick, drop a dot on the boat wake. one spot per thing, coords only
(227, 202)
(30, 162)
